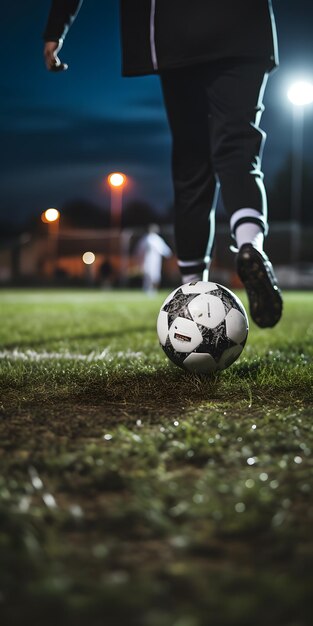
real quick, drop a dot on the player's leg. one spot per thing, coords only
(193, 179)
(235, 94)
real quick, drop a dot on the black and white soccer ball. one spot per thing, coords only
(202, 327)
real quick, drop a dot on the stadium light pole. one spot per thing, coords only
(117, 182)
(52, 218)
(300, 94)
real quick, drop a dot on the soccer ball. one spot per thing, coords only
(202, 327)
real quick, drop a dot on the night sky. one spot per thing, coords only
(63, 133)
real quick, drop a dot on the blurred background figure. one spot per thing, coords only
(106, 274)
(151, 249)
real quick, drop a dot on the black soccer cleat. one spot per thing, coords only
(256, 272)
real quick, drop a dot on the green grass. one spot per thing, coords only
(133, 492)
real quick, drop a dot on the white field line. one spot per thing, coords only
(72, 298)
(32, 355)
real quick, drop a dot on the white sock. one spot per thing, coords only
(191, 278)
(249, 232)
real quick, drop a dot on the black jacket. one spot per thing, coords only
(164, 34)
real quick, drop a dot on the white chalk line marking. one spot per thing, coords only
(33, 355)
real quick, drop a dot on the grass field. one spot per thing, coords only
(134, 493)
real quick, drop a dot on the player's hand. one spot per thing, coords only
(53, 63)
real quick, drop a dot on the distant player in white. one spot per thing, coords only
(151, 249)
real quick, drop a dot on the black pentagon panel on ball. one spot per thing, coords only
(215, 340)
(178, 306)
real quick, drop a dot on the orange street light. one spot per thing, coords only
(50, 215)
(116, 179)
(52, 218)
(117, 182)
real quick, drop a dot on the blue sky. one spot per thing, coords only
(63, 133)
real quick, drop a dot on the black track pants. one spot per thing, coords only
(214, 112)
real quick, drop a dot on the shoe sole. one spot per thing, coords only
(264, 296)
